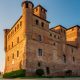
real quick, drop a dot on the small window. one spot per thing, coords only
(72, 29)
(26, 5)
(54, 36)
(37, 22)
(36, 9)
(39, 64)
(39, 52)
(17, 26)
(39, 38)
(12, 44)
(58, 37)
(73, 59)
(64, 58)
(64, 31)
(21, 23)
(17, 53)
(61, 30)
(54, 43)
(12, 56)
(42, 24)
(72, 50)
(13, 32)
(41, 9)
(8, 58)
(50, 34)
(17, 39)
(15, 29)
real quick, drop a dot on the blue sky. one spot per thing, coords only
(64, 12)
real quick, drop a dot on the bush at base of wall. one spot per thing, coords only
(15, 74)
(39, 72)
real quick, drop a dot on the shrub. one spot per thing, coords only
(15, 74)
(39, 72)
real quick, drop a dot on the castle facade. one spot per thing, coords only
(30, 44)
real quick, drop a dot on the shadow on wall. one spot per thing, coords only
(72, 43)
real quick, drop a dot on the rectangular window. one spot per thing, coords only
(8, 58)
(39, 52)
(26, 5)
(15, 29)
(12, 56)
(73, 59)
(12, 44)
(54, 36)
(21, 23)
(72, 50)
(17, 26)
(64, 58)
(50, 34)
(17, 53)
(37, 22)
(39, 38)
(42, 24)
(9, 47)
(17, 39)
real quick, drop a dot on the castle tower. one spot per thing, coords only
(5, 38)
(27, 17)
(27, 11)
(40, 12)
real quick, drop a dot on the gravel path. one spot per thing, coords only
(46, 79)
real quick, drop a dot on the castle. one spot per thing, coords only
(30, 44)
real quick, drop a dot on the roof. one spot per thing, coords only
(15, 23)
(41, 18)
(27, 3)
(58, 26)
(54, 31)
(74, 27)
(41, 7)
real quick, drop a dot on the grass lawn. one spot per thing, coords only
(35, 77)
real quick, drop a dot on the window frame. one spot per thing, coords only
(40, 52)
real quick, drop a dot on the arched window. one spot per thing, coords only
(39, 38)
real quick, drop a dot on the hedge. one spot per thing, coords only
(15, 74)
(39, 72)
